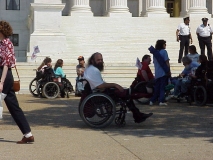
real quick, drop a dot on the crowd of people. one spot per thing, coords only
(194, 65)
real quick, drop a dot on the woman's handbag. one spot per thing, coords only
(16, 84)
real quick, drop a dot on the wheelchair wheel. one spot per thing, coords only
(97, 110)
(51, 90)
(33, 87)
(200, 96)
(141, 88)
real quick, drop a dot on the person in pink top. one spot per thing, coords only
(7, 62)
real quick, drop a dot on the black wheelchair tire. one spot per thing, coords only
(101, 98)
(135, 88)
(51, 90)
(200, 96)
(33, 87)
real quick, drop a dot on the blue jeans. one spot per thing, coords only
(159, 89)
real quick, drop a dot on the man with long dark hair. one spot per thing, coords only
(93, 75)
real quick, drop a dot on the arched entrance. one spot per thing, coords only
(173, 7)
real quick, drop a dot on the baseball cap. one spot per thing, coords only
(80, 58)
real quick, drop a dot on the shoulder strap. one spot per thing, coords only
(17, 73)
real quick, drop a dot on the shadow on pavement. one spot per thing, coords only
(174, 120)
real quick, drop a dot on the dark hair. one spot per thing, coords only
(193, 48)
(6, 29)
(92, 58)
(203, 58)
(186, 60)
(45, 61)
(160, 44)
(145, 57)
(186, 18)
(58, 64)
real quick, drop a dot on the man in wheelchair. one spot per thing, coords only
(185, 78)
(145, 75)
(93, 75)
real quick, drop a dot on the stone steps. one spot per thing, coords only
(120, 73)
(121, 39)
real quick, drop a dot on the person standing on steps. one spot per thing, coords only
(184, 36)
(7, 61)
(204, 35)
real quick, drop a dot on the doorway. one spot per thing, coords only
(173, 7)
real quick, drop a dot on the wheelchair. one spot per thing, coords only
(203, 93)
(99, 109)
(47, 85)
(139, 87)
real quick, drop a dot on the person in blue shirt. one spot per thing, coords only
(161, 77)
(182, 84)
(58, 69)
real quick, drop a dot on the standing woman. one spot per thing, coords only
(161, 77)
(7, 61)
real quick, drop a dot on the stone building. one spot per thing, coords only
(120, 29)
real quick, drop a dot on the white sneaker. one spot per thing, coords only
(151, 103)
(169, 97)
(162, 104)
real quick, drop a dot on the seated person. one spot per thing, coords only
(59, 73)
(58, 69)
(193, 55)
(80, 73)
(44, 65)
(93, 75)
(201, 70)
(182, 84)
(145, 73)
(80, 67)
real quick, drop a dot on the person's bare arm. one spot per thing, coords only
(110, 85)
(190, 37)
(177, 35)
(3, 76)
(144, 74)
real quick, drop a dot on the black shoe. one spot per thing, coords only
(143, 117)
(179, 61)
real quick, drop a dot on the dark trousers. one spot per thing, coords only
(184, 45)
(12, 103)
(159, 89)
(125, 95)
(206, 41)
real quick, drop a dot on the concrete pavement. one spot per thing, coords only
(175, 132)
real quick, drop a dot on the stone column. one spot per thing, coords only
(157, 8)
(184, 8)
(198, 7)
(81, 8)
(145, 6)
(45, 28)
(118, 8)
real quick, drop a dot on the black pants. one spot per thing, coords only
(12, 103)
(206, 41)
(184, 45)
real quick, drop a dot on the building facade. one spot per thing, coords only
(42, 22)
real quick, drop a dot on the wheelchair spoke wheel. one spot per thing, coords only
(51, 90)
(97, 110)
(200, 96)
(33, 87)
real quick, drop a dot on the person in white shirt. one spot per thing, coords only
(93, 75)
(183, 35)
(204, 35)
(193, 55)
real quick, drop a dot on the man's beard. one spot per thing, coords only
(100, 66)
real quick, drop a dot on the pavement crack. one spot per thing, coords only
(121, 144)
